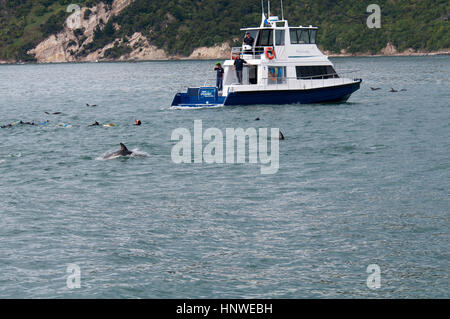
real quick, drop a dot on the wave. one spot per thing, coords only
(213, 106)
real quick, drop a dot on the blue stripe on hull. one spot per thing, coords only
(321, 95)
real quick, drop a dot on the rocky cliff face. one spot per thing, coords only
(390, 49)
(78, 32)
(216, 52)
(68, 45)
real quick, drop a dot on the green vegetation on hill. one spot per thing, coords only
(23, 24)
(180, 26)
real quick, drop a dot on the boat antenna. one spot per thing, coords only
(268, 9)
(262, 6)
(282, 10)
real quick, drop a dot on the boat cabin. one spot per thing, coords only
(280, 55)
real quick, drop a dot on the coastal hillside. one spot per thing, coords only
(43, 30)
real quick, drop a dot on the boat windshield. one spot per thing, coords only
(302, 36)
(253, 33)
(265, 38)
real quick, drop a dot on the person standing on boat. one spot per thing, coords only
(220, 71)
(248, 42)
(248, 39)
(239, 66)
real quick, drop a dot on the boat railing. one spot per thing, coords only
(256, 52)
(315, 81)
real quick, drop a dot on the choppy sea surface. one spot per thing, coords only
(360, 183)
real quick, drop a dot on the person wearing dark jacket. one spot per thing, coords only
(239, 66)
(248, 40)
(220, 71)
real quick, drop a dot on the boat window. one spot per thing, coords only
(312, 36)
(276, 74)
(293, 34)
(316, 72)
(279, 37)
(265, 38)
(253, 74)
(302, 36)
(253, 33)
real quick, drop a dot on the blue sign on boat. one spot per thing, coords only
(207, 92)
(198, 97)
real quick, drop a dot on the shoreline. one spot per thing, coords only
(328, 54)
(402, 54)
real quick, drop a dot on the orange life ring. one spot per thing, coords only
(270, 53)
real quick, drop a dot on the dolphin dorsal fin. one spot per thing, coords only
(123, 147)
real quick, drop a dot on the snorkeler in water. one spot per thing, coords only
(17, 123)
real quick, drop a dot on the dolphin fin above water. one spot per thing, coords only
(122, 152)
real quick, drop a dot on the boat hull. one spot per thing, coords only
(208, 96)
(339, 93)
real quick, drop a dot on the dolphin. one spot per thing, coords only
(122, 152)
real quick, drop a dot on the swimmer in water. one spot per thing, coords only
(138, 123)
(18, 123)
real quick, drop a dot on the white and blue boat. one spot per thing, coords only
(285, 66)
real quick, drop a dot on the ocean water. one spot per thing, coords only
(360, 183)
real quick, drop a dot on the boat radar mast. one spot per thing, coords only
(268, 5)
(269, 18)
